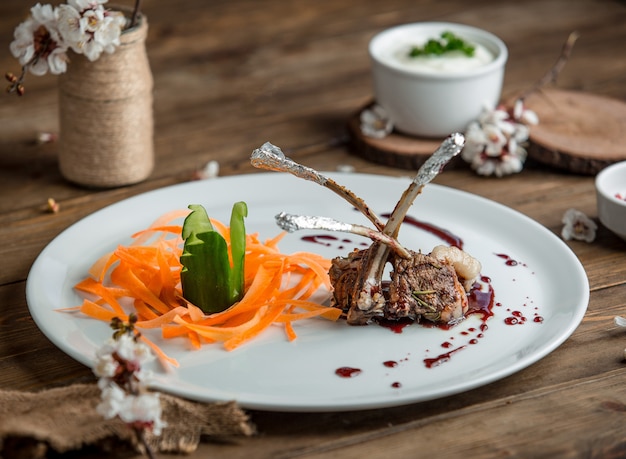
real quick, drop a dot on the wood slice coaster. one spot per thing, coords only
(396, 150)
(577, 131)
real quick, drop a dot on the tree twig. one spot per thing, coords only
(141, 438)
(136, 10)
(552, 74)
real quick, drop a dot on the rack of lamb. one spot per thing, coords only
(430, 287)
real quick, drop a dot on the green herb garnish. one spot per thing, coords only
(447, 43)
(416, 295)
(208, 279)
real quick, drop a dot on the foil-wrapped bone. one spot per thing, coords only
(270, 157)
(291, 223)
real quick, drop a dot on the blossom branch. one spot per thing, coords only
(552, 75)
(140, 432)
(136, 10)
(16, 82)
(120, 367)
(41, 43)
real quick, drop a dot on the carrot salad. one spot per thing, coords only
(278, 288)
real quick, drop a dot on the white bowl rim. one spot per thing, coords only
(498, 62)
(600, 182)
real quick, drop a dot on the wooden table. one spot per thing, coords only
(230, 75)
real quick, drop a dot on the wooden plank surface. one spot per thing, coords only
(232, 74)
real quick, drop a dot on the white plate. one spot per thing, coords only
(273, 374)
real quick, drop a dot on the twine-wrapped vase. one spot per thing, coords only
(106, 118)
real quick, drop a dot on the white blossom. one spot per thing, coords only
(37, 44)
(375, 122)
(475, 142)
(105, 366)
(578, 226)
(132, 353)
(495, 140)
(89, 29)
(111, 401)
(132, 350)
(483, 167)
(145, 408)
(510, 164)
(122, 382)
(107, 29)
(69, 24)
(521, 113)
(494, 143)
(490, 115)
(345, 168)
(45, 137)
(81, 5)
(209, 171)
(41, 42)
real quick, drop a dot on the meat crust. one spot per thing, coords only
(421, 287)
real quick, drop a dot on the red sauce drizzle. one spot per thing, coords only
(516, 318)
(396, 385)
(441, 233)
(508, 260)
(328, 240)
(436, 361)
(347, 372)
(481, 301)
(390, 363)
(395, 326)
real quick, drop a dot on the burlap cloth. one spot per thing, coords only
(34, 425)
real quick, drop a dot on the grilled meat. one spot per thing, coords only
(421, 287)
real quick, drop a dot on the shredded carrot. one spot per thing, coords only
(144, 278)
(97, 311)
(291, 333)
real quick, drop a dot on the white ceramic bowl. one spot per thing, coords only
(611, 198)
(428, 103)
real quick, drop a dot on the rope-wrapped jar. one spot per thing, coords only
(106, 118)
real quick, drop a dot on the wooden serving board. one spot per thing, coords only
(396, 150)
(577, 131)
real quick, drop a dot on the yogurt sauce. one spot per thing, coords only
(449, 63)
